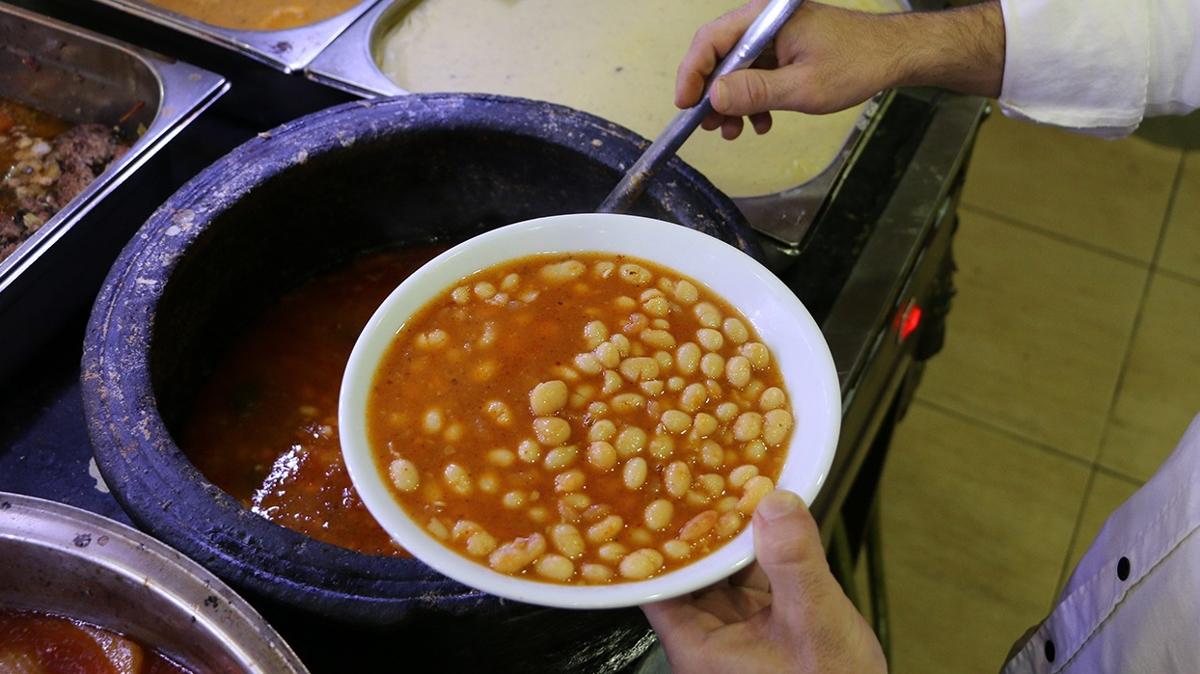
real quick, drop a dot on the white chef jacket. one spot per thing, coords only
(1133, 602)
(1100, 66)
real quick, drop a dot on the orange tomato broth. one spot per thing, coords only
(35, 642)
(264, 426)
(257, 14)
(532, 341)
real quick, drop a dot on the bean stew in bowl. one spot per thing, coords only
(584, 410)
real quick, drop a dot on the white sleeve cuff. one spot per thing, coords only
(1082, 65)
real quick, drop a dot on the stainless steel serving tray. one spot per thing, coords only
(288, 50)
(349, 64)
(70, 562)
(84, 77)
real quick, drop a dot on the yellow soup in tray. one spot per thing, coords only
(257, 14)
(615, 59)
(585, 419)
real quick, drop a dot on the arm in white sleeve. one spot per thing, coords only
(1100, 66)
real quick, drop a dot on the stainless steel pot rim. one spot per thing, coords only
(141, 560)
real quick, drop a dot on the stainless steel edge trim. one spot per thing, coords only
(184, 92)
(145, 562)
(870, 293)
(288, 50)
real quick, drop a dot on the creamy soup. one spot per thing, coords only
(616, 59)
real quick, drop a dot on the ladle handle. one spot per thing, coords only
(754, 40)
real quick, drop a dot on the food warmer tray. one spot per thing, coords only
(349, 64)
(288, 50)
(81, 76)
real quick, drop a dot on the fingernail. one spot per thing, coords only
(720, 95)
(778, 504)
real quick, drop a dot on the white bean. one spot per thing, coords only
(693, 397)
(517, 554)
(631, 441)
(634, 273)
(776, 426)
(699, 526)
(484, 290)
(588, 363)
(548, 397)
(612, 382)
(737, 371)
(704, 425)
(513, 499)
(711, 454)
(498, 412)
(529, 451)
(502, 458)
(748, 426)
(657, 338)
(596, 573)
(560, 272)
(707, 314)
(687, 358)
(772, 399)
(405, 475)
(676, 549)
(727, 411)
(432, 421)
(606, 529)
(659, 513)
(555, 567)
(611, 552)
(711, 340)
(560, 457)
(712, 365)
(458, 479)
(594, 334)
(551, 431)
(686, 293)
(567, 540)
(608, 355)
(602, 455)
(661, 447)
(569, 481)
(735, 330)
(641, 564)
(757, 354)
(738, 476)
(602, 430)
(634, 473)
(675, 421)
(481, 543)
(729, 524)
(627, 402)
(677, 479)
(753, 491)
(639, 369)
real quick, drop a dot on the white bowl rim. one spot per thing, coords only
(635, 236)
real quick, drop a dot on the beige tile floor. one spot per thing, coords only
(1072, 366)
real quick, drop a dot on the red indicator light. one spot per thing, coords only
(910, 320)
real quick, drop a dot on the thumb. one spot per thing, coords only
(789, 551)
(753, 90)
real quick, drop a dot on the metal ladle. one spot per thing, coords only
(754, 40)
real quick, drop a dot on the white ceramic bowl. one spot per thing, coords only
(782, 322)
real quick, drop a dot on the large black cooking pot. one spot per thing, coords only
(291, 203)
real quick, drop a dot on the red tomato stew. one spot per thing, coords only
(35, 642)
(264, 426)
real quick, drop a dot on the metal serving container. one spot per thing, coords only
(83, 77)
(70, 562)
(288, 50)
(349, 64)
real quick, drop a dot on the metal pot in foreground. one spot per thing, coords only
(69, 562)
